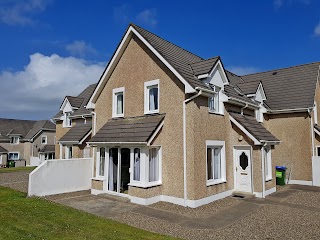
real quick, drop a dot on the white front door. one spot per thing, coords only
(243, 169)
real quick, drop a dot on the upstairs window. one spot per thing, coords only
(44, 140)
(151, 97)
(14, 140)
(67, 122)
(214, 101)
(118, 102)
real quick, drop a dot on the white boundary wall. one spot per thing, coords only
(60, 176)
(316, 171)
(35, 161)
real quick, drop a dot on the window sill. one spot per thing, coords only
(118, 116)
(146, 185)
(152, 112)
(268, 179)
(216, 113)
(99, 178)
(215, 182)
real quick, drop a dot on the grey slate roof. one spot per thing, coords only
(233, 78)
(3, 150)
(80, 102)
(231, 92)
(15, 126)
(48, 149)
(203, 66)
(286, 88)
(255, 128)
(135, 129)
(76, 133)
(40, 125)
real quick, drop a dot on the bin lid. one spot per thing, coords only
(281, 168)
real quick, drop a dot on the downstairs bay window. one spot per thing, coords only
(216, 162)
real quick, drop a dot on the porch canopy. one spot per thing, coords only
(253, 129)
(47, 149)
(3, 150)
(77, 134)
(317, 129)
(139, 130)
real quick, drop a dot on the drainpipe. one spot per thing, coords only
(185, 145)
(244, 108)
(312, 132)
(94, 123)
(263, 170)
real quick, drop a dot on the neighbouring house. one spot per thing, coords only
(22, 140)
(178, 128)
(74, 126)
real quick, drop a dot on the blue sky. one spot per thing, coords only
(53, 48)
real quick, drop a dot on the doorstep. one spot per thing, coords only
(242, 195)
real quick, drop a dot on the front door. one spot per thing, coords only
(243, 170)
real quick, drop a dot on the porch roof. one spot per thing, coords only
(3, 150)
(48, 149)
(76, 133)
(317, 129)
(253, 129)
(129, 130)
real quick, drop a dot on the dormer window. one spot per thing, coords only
(214, 103)
(14, 140)
(118, 102)
(151, 97)
(67, 122)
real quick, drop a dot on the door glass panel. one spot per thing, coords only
(113, 169)
(125, 165)
(244, 161)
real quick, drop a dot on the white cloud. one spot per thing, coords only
(38, 90)
(317, 30)
(240, 71)
(148, 17)
(280, 3)
(18, 12)
(81, 49)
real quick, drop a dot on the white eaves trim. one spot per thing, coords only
(85, 137)
(116, 57)
(155, 133)
(235, 122)
(317, 132)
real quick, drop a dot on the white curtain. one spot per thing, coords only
(120, 103)
(153, 165)
(151, 100)
(102, 161)
(217, 163)
(110, 173)
(136, 175)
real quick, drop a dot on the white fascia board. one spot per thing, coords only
(317, 132)
(235, 122)
(85, 137)
(288, 110)
(202, 76)
(68, 142)
(224, 76)
(155, 133)
(117, 143)
(116, 57)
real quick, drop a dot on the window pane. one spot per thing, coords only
(102, 161)
(113, 169)
(265, 156)
(217, 163)
(153, 165)
(153, 98)
(216, 102)
(136, 165)
(211, 103)
(209, 163)
(119, 97)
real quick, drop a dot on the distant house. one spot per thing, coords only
(23, 139)
(74, 126)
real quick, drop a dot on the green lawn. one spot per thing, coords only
(15, 169)
(34, 218)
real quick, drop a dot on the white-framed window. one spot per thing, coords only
(68, 152)
(67, 122)
(216, 162)
(44, 139)
(215, 105)
(14, 140)
(154, 165)
(318, 151)
(118, 102)
(102, 161)
(258, 115)
(151, 97)
(49, 156)
(136, 164)
(13, 156)
(267, 162)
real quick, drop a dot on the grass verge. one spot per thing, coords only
(35, 218)
(16, 169)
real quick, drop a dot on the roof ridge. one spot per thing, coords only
(134, 25)
(277, 69)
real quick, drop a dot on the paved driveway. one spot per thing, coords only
(291, 213)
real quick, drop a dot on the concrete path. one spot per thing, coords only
(291, 213)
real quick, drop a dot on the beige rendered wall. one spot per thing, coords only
(295, 149)
(37, 145)
(137, 66)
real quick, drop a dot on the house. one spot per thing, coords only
(74, 126)
(176, 127)
(23, 140)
